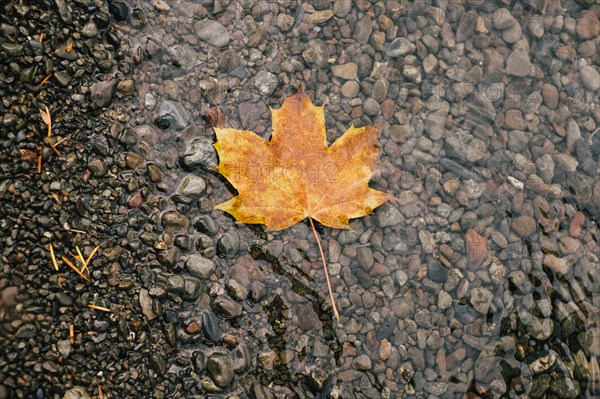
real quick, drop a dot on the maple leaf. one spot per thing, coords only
(296, 174)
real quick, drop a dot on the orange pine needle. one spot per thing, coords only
(71, 334)
(98, 308)
(55, 196)
(69, 46)
(100, 396)
(39, 164)
(59, 142)
(92, 254)
(53, 257)
(76, 270)
(54, 149)
(45, 80)
(41, 37)
(335, 312)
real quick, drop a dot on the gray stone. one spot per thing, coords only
(590, 78)
(541, 329)
(341, 8)
(518, 63)
(89, 30)
(371, 107)
(512, 34)
(388, 215)
(524, 225)
(101, 93)
(175, 284)
(228, 244)
(183, 56)
(227, 308)
(97, 167)
(26, 330)
(363, 29)
(212, 32)
(178, 116)
(266, 82)
(64, 11)
(503, 19)
(444, 300)
(481, 299)
(466, 26)
(399, 47)
(200, 152)
(200, 266)
(545, 168)
(192, 186)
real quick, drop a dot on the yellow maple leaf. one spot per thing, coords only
(296, 174)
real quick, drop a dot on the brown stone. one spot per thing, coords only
(576, 223)
(476, 247)
(588, 25)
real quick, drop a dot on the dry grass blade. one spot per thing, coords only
(53, 257)
(77, 231)
(98, 308)
(76, 270)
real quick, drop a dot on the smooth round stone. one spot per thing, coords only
(371, 107)
(192, 186)
(200, 266)
(173, 220)
(590, 78)
(350, 89)
(212, 32)
(362, 363)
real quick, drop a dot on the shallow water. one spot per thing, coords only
(482, 280)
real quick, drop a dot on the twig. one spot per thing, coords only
(335, 312)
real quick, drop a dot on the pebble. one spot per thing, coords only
(200, 152)
(524, 225)
(481, 299)
(76, 393)
(350, 89)
(199, 266)
(588, 25)
(266, 82)
(101, 93)
(518, 63)
(476, 247)
(399, 47)
(363, 29)
(212, 32)
(220, 367)
(173, 114)
(192, 186)
(556, 264)
(348, 71)
(362, 363)
(590, 78)
(550, 95)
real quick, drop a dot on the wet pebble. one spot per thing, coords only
(212, 33)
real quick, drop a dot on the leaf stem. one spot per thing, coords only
(335, 312)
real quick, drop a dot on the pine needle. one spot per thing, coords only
(71, 334)
(98, 308)
(77, 231)
(76, 270)
(53, 257)
(335, 312)
(41, 37)
(90, 257)
(45, 80)
(39, 164)
(82, 260)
